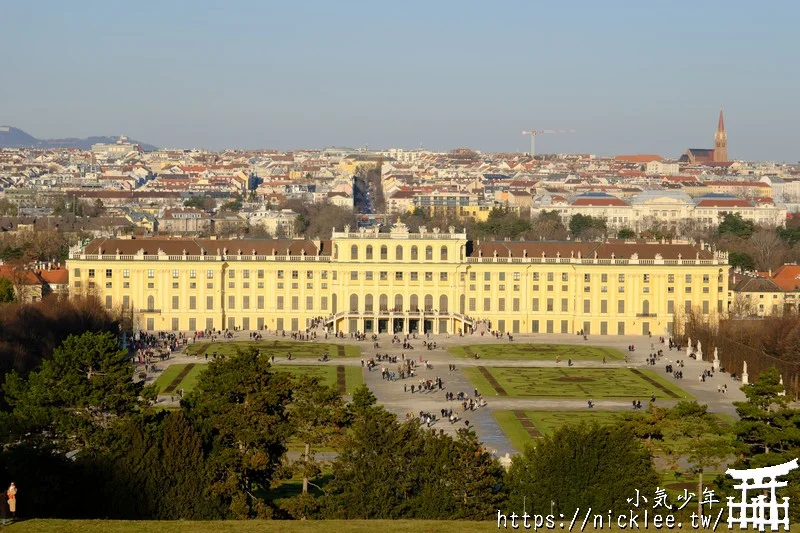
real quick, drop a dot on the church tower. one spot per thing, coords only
(720, 142)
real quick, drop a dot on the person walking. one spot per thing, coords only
(12, 499)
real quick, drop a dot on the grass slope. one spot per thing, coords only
(277, 526)
(250, 526)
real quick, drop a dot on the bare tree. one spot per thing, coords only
(769, 249)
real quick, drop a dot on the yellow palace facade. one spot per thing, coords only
(430, 281)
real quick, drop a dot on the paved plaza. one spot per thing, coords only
(396, 395)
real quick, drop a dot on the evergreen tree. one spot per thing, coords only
(239, 409)
(7, 294)
(84, 387)
(769, 431)
(391, 470)
(317, 416)
(183, 476)
(580, 466)
(695, 435)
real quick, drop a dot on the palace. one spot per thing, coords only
(430, 281)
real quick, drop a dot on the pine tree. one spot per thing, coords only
(769, 431)
(239, 409)
(317, 417)
(580, 466)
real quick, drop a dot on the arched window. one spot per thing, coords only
(443, 303)
(443, 253)
(384, 253)
(428, 302)
(398, 302)
(354, 302)
(646, 307)
(398, 253)
(336, 251)
(414, 302)
(354, 252)
(429, 253)
(368, 303)
(414, 253)
(383, 302)
(369, 251)
(462, 304)
(334, 304)
(151, 303)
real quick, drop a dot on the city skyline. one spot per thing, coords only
(627, 79)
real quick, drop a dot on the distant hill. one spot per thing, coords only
(11, 137)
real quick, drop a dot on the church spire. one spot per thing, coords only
(721, 141)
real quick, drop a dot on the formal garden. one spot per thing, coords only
(512, 351)
(279, 348)
(185, 376)
(573, 383)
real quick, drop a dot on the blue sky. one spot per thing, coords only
(629, 77)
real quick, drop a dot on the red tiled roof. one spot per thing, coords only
(736, 184)
(598, 201)
(206, 246)
(723, 202)
(787, 277)
(56, 276)
(605, 250)
(19, 276)
(638, 158)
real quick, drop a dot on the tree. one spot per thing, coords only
(502, 222)
(547, 225)
(581, 466)
(626, 233)
(7, 208)
(769, 249)
(239, 409)
(29, 332)
(387, 469)
(742, 260)
(182, 476)
(732, 223)
(154, 468)
(234, 205)
(317, 416)
(6, 290)
(83, 388)
(586, 226)
(768, 430)
(205, 203)
(694, 434)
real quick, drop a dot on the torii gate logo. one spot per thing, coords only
(758, 511)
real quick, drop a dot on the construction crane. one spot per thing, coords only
(534, 133)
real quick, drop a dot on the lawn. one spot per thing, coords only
(280, 526)
(187, 382)
(328, 375)
(522, 426)
(512, 351)
(250, 526)
(578, 383)
(277, 348)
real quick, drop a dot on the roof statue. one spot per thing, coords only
(399, 228)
